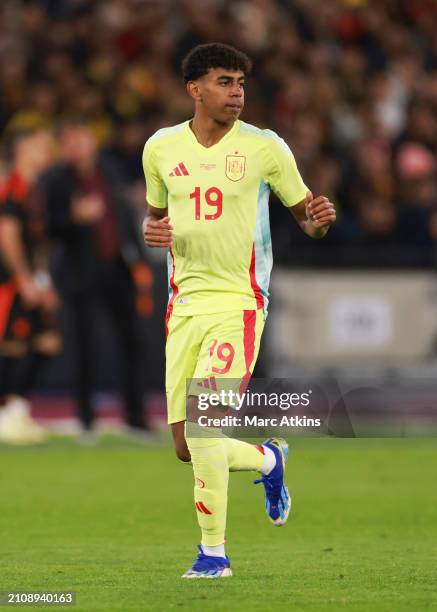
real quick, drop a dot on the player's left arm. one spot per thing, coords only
(314, 215)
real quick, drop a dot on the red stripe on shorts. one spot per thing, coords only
(249, 320)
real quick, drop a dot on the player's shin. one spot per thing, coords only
(211, 474)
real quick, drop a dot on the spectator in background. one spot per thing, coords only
(416, 169)
(347, 82)
(28, 303)
(99, 259)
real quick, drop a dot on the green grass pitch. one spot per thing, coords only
(116, 524)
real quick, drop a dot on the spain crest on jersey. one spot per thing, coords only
(235, 167)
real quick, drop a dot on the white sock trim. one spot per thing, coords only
(214, 551)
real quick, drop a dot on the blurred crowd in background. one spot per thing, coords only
(351, 85)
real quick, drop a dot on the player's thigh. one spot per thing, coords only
(231, 345)
(182, 349)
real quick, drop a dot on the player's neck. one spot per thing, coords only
(208, 131)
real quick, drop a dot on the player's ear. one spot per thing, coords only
(193, 90)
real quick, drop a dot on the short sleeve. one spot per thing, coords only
(282, 174)
(156, 189)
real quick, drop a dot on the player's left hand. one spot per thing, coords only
(320, 211)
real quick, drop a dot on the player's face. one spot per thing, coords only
(221, 93)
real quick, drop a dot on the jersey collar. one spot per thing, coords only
(190, 134)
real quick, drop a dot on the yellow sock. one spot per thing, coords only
(211, 475)
(243, 456)
(212, 459)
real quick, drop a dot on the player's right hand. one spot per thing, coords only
(157, 232)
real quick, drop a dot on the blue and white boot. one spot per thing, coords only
(206, 566)
(276, 495)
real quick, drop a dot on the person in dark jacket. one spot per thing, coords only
(99, 259)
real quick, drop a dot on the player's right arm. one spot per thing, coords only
(157, 229)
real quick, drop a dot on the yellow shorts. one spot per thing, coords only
(209, 347)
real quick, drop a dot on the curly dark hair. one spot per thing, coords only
(213, 55)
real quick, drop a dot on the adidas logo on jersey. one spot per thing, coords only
(180, 170)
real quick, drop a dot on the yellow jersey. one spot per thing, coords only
(218, 203)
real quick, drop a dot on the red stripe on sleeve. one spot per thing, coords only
(177, 172)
